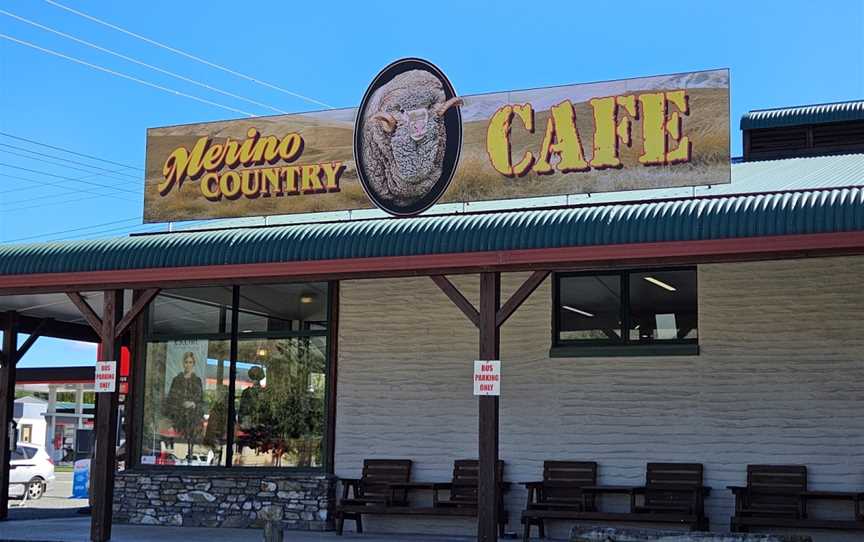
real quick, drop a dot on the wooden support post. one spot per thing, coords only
(110, 328)
(488, 491)
(489, 320)
(7, 405)
(104, 459)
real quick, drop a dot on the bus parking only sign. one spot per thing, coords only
(487, 377)
(106, 376)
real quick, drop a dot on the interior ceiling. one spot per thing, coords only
(56, 306)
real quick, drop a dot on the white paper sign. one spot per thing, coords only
(487, 377)
(106, 376)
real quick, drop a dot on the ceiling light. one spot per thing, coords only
(247, 331)
(307, 298)
(661, 284)
(577, 311)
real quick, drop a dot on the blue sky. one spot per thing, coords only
(780, 54)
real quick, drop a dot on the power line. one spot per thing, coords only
(63, 185)
(29, 237)
(61, 149)
(125, 76)
(53, 203)
(82, 181)
(57, 185)
(141, 63)
(63, 163)
(67, 160)
(188, 55)
(109, 230)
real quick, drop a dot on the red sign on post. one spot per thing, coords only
(106, 376)
(487, 377)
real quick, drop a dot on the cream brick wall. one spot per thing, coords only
(780, 379)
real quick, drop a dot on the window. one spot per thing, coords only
(250, 393)
(28, 452)
(27, 433)
(626, 313)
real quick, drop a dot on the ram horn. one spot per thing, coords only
(442, 108)
(388, 121)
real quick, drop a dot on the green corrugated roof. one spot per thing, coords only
(794, 212)
(808, 114)
(807, 195)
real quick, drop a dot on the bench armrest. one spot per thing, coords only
(352, 483)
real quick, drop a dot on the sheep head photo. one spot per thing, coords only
(407, 137)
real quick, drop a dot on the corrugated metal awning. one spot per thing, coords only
(691, 219)
(809, 114)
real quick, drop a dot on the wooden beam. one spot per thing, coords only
(457, 298)
(87, 312)
(139, 305)
(104, 458)
(58, 329)
(31, 339)
(520, 295)
(488, 490)
(7, 406)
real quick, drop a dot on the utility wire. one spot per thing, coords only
(125, 76)
(188, 55)
(63, 163)
(66, 161)
(62, 185)
(64, 190)
(29, 237)
(82, 181)
(34, 142)
(90, 235)
(56, 202)
(141, 63)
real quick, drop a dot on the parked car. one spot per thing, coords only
(31, 469)
(199, 459)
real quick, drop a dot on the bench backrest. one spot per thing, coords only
(673, 486)
(466, 478)
(774, 488)
(561, 480)
(377, 473)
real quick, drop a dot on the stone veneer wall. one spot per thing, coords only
(222, 499)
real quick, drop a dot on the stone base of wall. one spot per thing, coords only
(222, 499)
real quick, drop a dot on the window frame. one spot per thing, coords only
(234, 336)
(624, 346)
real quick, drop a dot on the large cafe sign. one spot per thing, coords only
(414, 142)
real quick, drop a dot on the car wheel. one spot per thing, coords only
(36, 488)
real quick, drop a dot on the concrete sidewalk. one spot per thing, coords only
(78, 530)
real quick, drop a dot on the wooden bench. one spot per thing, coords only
(673, 493)
(461, 500)
(777, 496)
(373, 489)
(559, 492)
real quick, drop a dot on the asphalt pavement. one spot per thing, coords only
(55, 503)
(78, 530)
